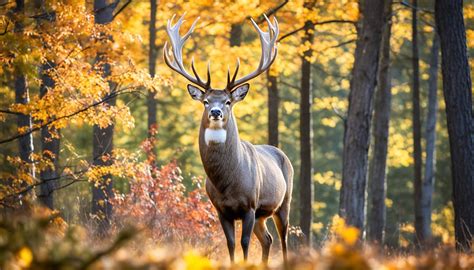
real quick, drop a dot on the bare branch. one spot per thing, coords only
(269, 12)
(425, 10)
(290, 85)
(343, 43)
(121, 9)
(316, 24)
(338, 113)
(7, 111)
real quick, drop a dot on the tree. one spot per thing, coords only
(356, 139)
(381, 120)
(102, 143)
(306, 169)
(457, 89)
(430, 135)
(151, 101)
(416, 122)
(50, 142)
(22, 96)
(273, 109)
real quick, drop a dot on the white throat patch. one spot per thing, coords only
(215, 135)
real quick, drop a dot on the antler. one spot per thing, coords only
(269, 52)
(176, 53)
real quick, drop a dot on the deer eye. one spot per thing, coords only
(206, 103)
(227, 103)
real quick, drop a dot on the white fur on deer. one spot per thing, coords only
(215, 135)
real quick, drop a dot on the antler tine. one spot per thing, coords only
(194, 70)
(269, 52)
(229, 81)
(177, 43)
(208, 83)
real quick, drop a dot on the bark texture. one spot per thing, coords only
(457, 91)
(356, 138)
(381, 121)
(103, 137)
(430, 135)
(306, 170)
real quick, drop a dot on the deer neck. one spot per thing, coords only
(220, 151)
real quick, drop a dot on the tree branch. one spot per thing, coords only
(121, 9)
(343, 43)
(403, 3)
(315, 24)
(269, 12)
(7, 111)
(37, 128)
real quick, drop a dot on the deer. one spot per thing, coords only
(244, 182)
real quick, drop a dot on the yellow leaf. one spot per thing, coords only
(196, 262)
(25, 257)
(350, 235)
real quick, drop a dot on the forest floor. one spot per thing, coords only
(42, 240)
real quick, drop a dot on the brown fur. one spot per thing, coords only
(243, 178)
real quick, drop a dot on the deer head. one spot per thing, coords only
(218, 103)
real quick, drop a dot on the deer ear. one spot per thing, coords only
(240, 92)
(196, 93)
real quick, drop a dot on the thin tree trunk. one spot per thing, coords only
(416, 121)
(151, 101)
(357, 133)
(25, 143)
(50, 142)
(50, 145)
(428, 182)
(273, 109)
(306, 170)
(381, 121)
(457, 91)
(103, 138)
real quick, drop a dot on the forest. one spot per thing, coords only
(115, 153)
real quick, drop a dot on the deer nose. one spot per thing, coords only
(216, 113)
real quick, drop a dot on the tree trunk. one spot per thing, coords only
(357, 134)
(50, 145)
(50, 142)
(416, 121)
(25, 143)
(103, 138)
(458, 98)
(428, 182)
(273, 109)
(151, 101)
(306, 170)
(235, 34)
(381, 121)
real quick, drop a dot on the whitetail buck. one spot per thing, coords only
(246, 182)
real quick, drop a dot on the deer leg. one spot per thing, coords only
(281, 222)
(229, 231)
(247, 227)
(264, 237)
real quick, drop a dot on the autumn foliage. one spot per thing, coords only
(160, 202)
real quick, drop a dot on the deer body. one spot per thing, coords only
(244, 181)
(242, 176)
